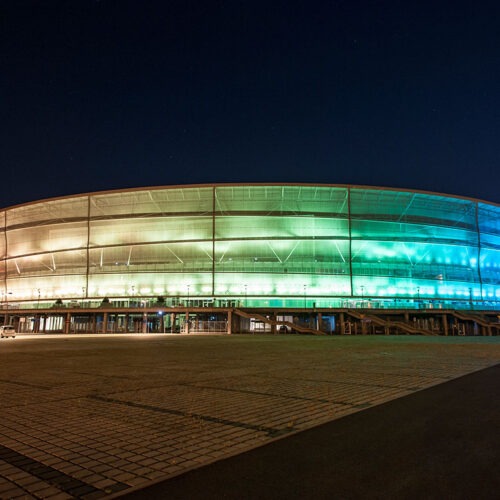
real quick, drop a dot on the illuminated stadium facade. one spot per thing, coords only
(270, 247)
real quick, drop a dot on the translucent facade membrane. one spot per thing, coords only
(282, 245)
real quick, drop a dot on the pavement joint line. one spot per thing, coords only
(25, 384)
(52, 400)
(120, 377)
(270, 431)
(54, 477)
(258, 393)
(342, 382)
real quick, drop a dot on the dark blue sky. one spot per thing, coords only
(105, 94)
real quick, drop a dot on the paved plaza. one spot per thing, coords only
(96, 417)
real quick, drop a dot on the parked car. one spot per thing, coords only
(7, 331)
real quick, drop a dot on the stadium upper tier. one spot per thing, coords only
(282, 245)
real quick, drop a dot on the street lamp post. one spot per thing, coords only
(418, 297)
(305, 296)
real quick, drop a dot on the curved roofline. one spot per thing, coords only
(229, 184)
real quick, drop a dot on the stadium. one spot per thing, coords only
(324, 259)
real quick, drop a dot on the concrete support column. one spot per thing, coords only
(319, 321)
(145, 322)
(172, 322)
(67, 323)
(236, 323)
(407, 317)
(230, 322)
(273, 326)
(105, 323)
(342, 324)
(445, 324)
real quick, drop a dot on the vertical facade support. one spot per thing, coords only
(230, 322)
(349, 223)
(342, 324)
(213, 240)
(86, 294)
(476, 206)
(4, 277)
(105, 323)
(445, 324)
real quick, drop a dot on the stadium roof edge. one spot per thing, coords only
(262, 184)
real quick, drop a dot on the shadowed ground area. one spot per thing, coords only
(94, 417)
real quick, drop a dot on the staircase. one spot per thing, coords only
(478, 319)
(273, 322)
(405, 327)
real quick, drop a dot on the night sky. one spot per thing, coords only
(108, 94)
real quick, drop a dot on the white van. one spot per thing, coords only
(7, 331)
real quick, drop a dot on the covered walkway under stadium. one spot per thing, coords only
(185, 320)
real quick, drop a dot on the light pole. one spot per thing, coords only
(38, 303)
(188, 294)
(305, 296)
(245, 295)
(6, 305)
(418, 297)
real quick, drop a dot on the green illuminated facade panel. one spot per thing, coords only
(280, 245)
